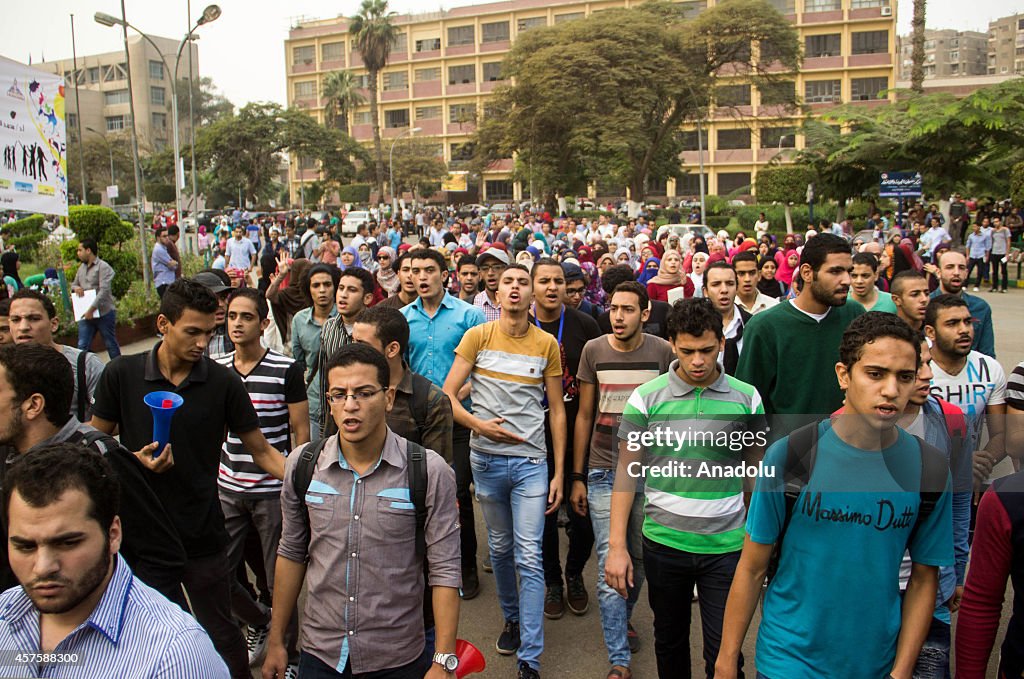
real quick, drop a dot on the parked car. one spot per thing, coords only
(502, 210)
(682, 230)
(353, 220)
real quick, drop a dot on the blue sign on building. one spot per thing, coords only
(900, 185)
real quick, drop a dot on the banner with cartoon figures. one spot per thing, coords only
(33, 175)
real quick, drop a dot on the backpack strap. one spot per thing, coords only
(934, 474)
(418, 404)
(82, 386)
(801, 452)
(416, 465)
(304, 468)
(956, 427)
(95, 439)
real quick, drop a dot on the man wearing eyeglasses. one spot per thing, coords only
(576, 290)
(352, 539)
(492, 262)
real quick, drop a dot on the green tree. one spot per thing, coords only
(97, 152)
(1017, 184)
(917, 42)
(418, 167)
(111, 234)
(373, 32)
(208, 104)
(342, 96)
(785, 184)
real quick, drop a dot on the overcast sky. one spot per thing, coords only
(243, 51)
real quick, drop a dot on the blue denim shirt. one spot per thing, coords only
(306, 348)
(432, 341)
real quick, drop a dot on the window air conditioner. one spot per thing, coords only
(887, 11)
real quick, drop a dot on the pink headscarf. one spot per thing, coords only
(785, 271)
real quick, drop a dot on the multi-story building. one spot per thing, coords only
(1006, 45)
(947, 54)
(444, 66)
(103, 85)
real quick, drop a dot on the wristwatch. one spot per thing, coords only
(449, 661)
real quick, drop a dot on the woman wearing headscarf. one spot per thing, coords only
(649, 270)
(387, 279)
(349, 257)
(788, 262)
(697, 244)
(670, 276)
(698, 263)
(366, 258)
(526, 258)
(594, 293)
(603, 262)
(288, 295)
(767, 283)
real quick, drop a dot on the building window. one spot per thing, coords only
(400, 44)
(732, 95)
(778, 137)
(428, 45)
(156, 70)
(462, 113)
(733, 182)
(332, 51)
(823, 91)
(863, 89)
(157, 96)
(305, 89)
(526, 24)
(461, 75)
(494, 32)
(954, 43)
(822, 46)
(362, 118)
(822, 5)
(115, 97)
(870, 42)
(115, 72)
(94, 74)
(396, 80)
(778, 93)
(425, 75)
(428, 112)
(461, 35)
(498, 189)
(396, 118)
(492, 71)
(116, 123)
(689, 184)
(865, 4)
(928, 45)
(784, 6)
(954, 55)
(734, 139)
(361, 81)
(571, 16)
(689, 140)
(160, 122)
(954, 69)
(304, 54)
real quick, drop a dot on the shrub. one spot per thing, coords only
(137, 303)
(354, 193)
(1017, 184)
(112, 234)
(716, 222)
(26, 234)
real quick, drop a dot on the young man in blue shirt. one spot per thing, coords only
(831, 609)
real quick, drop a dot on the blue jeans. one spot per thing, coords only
(105, 324)
(615, 611)
(933, 661)
(513, 494)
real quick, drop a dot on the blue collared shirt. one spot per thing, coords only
(432, 341)
(133, 632)
(306, 348)
(163, 274)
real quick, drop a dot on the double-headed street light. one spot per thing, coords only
(211, 13)
(391, 166)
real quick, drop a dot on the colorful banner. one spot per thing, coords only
(33, 175)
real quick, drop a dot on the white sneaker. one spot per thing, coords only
(291, 672)
(974, 289)
(256, 641)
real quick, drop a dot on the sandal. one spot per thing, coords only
(619, 672)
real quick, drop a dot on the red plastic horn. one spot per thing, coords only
(471, 660)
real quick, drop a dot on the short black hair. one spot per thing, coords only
(817, 249)
(256, 297)
(545, 261)
(187, 294)
(159, 231)
(35, 369)
(613, 275)
(745, 256)
(516, 266)
(389, 324)
(716, 266)
(466, 260)
(694, 316)
(332, 271)
(173, 230)
(5, 307)
(433, 255)
(42, 475)
(940, 302)
(896, 286)
(29, 293)
(90, 245)
(866, 259)
(638, 289)
(396, 265)
(872, 326)
(365, 278)
(356, 353)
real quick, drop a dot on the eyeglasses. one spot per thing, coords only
(574, 292)
(360, 395)
(492, 267)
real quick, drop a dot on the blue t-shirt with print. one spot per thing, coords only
(833, 607)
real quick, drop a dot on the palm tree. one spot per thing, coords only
(917, 55)
(373, 34)
(342, 95)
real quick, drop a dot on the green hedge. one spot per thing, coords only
(26, 234)
(716, 222)
(354, 193)
(104, 225)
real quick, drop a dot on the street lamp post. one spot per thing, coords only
(391, 167)
(211, 13)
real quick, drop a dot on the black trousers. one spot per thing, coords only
(463, 478)
(671, 575)
(207, 581)
(579, 531)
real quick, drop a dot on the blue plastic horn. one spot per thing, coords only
(163, 404)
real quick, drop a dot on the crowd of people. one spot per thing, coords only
(678, 403)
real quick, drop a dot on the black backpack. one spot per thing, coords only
(416, 466)
(801, 453)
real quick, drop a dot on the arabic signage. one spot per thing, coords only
(899, 185)
(33, 175)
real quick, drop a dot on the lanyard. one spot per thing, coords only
(561, 323)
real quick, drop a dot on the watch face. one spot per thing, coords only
(451, 662)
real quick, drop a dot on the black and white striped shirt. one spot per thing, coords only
(275, 382)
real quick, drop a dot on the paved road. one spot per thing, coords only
(575, 647)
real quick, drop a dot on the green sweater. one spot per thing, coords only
(791, 358)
